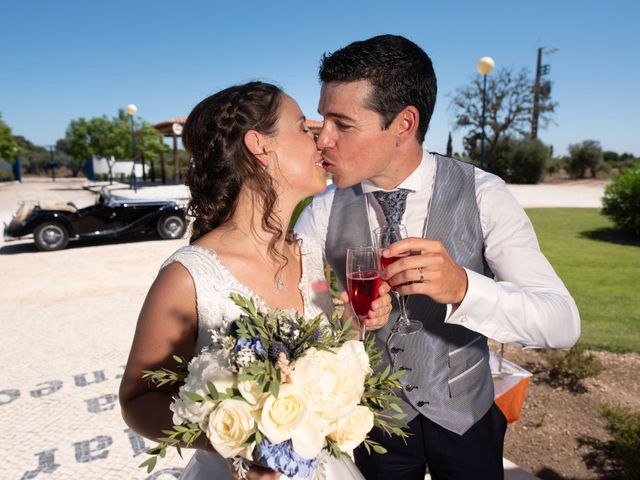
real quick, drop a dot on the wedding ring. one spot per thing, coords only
(421, 274)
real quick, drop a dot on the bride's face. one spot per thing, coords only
(299, 163)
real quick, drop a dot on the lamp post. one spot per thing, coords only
(52, 162)
(131, 111)
(485, 67)
(176, 130)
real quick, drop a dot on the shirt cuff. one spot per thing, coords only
(478, 304)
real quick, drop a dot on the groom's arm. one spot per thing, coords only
(527, 303)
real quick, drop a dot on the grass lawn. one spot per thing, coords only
(603, 276)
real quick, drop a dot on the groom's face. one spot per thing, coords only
(354, 144)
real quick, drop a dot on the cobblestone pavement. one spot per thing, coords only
(66, 323)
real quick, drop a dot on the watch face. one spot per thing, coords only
(177, 128)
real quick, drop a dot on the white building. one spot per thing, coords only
(120, 167)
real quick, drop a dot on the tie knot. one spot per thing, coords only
(392, 204)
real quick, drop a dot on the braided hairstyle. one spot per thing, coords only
(220, 161)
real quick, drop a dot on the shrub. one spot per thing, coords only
(527, 161)
(568, 368)
(624, 425)
(621, 202)
(6, 176)
(555, 165)
(585, 156)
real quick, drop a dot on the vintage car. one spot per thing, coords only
(52, 226)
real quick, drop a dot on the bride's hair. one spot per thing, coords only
(220, 161)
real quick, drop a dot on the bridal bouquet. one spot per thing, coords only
(276, 390)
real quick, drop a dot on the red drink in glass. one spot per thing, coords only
(363, 289)
(386, 261)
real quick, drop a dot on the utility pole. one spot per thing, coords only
(540, 89)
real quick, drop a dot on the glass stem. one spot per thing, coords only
(402, 319)
(363, 328)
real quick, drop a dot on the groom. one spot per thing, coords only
(377, 99)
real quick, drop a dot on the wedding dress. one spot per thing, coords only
(213, 283)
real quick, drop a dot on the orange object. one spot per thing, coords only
(510, 383)
(511, 401)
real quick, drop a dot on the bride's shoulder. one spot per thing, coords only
(195, 258)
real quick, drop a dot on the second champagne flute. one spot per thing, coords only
(383, 237)
(363, 281)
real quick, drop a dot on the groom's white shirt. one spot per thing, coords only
(527, 304)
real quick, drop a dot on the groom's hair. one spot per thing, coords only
(399, 71)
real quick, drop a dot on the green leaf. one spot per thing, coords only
(213, 391)
(379, 449)
(194, 397)
(274, 388)
(178, 360)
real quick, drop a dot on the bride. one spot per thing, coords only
(253, 160)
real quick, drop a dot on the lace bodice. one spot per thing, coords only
(214, 283)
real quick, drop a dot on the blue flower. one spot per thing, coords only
(255, 345)
(282, 458)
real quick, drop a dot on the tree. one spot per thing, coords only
(63, 157)
(35, 159)
(585, 156)
(449, 146)
(8, 146)
(509, 104)
(104, 137)
(527, 161)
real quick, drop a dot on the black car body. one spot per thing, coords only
(53, 226)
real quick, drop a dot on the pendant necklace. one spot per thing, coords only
(278, 280)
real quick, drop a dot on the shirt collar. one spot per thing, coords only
(415, 182)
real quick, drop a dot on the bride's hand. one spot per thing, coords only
(378, 316)
(256, 472)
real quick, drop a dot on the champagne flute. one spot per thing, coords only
(383, 237)
(363, 281)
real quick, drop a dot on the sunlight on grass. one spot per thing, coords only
(603, 277)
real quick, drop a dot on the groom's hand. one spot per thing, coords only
(429, 270)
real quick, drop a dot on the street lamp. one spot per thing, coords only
(131, 111)
(485, 67)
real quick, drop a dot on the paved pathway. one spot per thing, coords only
(66, 323)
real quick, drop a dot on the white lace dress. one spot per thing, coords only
(213, 283)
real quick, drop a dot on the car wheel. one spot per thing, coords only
(171, 227)
(50, 236)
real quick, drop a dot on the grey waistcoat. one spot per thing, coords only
(448, 378)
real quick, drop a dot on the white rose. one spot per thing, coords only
(335, 381)
(308, 438)
(206, 367)
(229, 426)
(251, 391)
(350, 431)
(281, 416)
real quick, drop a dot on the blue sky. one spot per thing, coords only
(67, 59)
